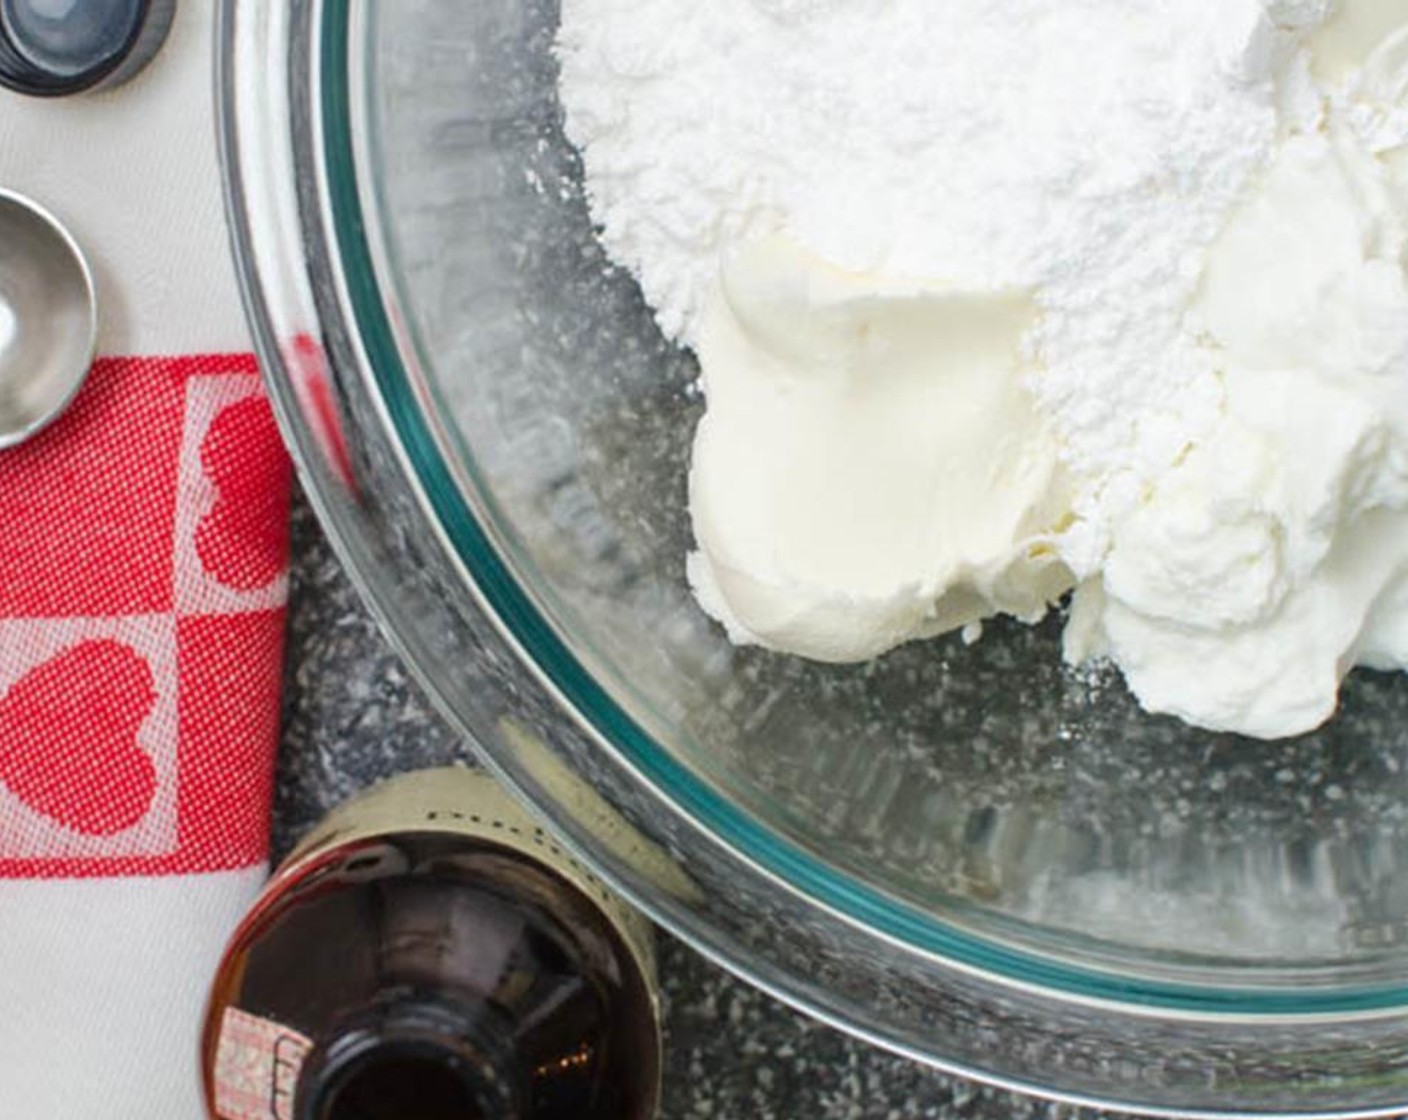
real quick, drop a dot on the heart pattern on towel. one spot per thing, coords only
(69, 738)
(243, 540)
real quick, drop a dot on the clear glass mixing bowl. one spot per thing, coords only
(966, 854)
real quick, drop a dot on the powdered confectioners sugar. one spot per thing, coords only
(1006, 278)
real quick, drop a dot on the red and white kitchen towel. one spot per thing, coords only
(143, 541)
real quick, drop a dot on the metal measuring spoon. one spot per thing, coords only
(48, 318)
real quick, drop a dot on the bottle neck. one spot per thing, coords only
(417, 1057)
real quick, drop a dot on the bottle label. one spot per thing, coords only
(257, 1063)
(469, 803)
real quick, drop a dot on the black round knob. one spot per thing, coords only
(49, 48)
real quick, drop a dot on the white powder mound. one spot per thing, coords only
(1090, 150)
(1096, 157)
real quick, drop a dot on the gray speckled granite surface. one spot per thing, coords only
(353, 715)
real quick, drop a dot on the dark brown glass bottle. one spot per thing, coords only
(431, 954)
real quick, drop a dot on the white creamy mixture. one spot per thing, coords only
(997, 299)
